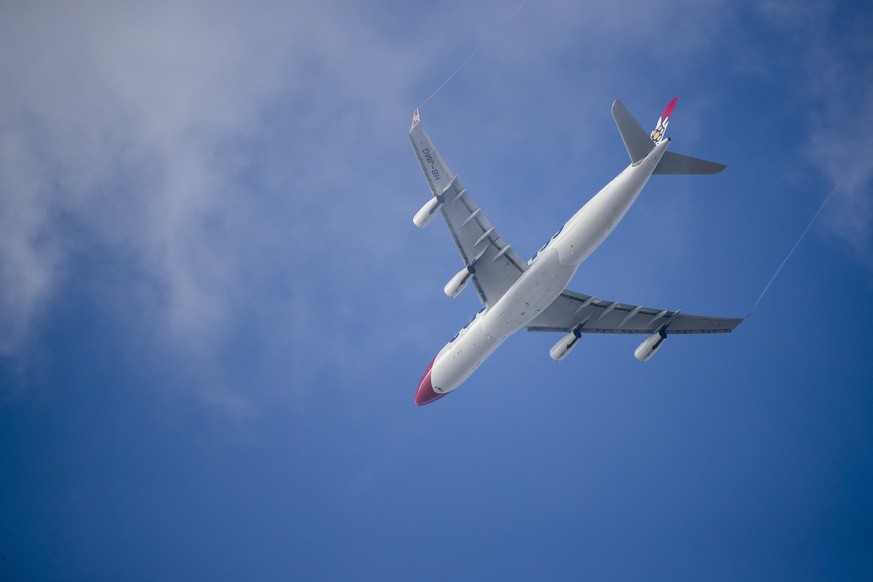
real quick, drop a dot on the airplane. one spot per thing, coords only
(533, 294)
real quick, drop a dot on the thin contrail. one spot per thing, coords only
(476, 50)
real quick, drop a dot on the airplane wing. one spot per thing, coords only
(589, 314)
(492, 262)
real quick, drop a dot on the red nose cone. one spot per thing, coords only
(425, 393)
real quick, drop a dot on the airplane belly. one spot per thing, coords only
(595, 221)
(530, 296)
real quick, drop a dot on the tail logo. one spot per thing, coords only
(661, 128)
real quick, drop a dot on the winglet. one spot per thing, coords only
(415, 118)
(661, 127)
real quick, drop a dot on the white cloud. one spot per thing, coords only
(131, 123)
(833, 55)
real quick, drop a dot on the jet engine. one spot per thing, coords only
(651, 345)
(427, 212)
(458, 282)
(565, 345)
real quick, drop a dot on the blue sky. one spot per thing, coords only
(215, 309)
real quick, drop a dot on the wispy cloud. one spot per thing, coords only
(834, 57)
(136, 129)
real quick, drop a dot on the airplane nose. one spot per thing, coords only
(425, 393)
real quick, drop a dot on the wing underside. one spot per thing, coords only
(588, 314)
(493, 262)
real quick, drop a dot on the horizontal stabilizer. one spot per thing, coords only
(673, 163)
(635, 138)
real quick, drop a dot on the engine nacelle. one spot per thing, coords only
(427, 212)
(651, 345)
(458, 282)
(565, 345)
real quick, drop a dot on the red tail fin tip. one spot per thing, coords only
(661, 128)
(668, 110)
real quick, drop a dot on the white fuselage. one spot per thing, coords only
(549, 273)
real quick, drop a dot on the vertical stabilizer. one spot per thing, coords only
(661, 127)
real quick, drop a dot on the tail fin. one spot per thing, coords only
(639, 143)
(661, 127)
